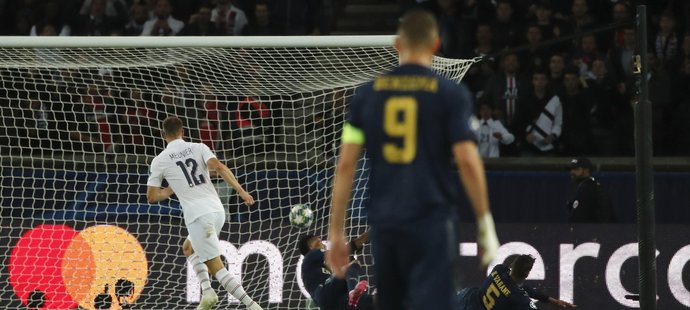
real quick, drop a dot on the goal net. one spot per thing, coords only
(80, 123)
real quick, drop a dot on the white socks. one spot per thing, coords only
(233, 287)
(201, 272)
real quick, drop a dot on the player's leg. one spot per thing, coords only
(357, 284)
(199, 267)
(209, 298)
(207, 246)
(427, 260)
(390, 284)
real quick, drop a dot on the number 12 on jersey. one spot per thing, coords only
(192, 178)
(400, 121)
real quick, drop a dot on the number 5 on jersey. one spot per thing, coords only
(400, 121)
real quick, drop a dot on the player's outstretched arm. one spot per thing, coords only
(357, 243)
(156, 194)
(215, 165)
(473, 179)
(337, 256)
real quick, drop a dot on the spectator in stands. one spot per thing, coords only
(200, 24)
(95, 22)
(163, 24)
(484, 37)
(229, 19)
(51, 15)
(22, 23)
(585, 55)
(622, 57)
(261, 24)
(535, 56)
(505, 27)
(503, 93)
(591, 203)
(114, 9)
(581, 19)
(26, 125)
(491, 133)
(138, 16)
(208, 119)
(603, 111)
(576, 138)
(619, 13)
(546, 117)
(249, 118)
(479, 73)
(549, 27)
(555, 73)
(667, 41)
(47, 30)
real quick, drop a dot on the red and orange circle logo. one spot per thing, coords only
(56, 267)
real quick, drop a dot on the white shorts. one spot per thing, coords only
(203, 234)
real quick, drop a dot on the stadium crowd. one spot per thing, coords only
(570, 98)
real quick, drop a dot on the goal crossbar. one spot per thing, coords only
(175, 42)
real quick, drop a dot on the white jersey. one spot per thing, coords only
(183, 165)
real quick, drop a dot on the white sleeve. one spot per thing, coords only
(146, 30)
(240, 22)
(508, 137)
(206, 153)
(557, 117)
(214, 15)
(176, 26)
(155, 174)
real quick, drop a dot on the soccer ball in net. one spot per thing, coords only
(301, 216)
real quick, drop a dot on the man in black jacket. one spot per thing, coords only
(591, 204)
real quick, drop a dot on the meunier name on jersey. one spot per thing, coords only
(186, 152)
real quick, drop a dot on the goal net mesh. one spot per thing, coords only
(80, 125)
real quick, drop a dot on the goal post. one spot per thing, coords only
(80, 124)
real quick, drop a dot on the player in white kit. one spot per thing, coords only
(186, 166)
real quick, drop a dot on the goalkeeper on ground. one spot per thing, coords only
(329, 292)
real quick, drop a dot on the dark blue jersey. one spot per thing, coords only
(411, 117)
(326, 291)
(500, 292)
(314, 272)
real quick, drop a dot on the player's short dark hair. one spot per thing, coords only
(172, 125)
(417, 28)
(303, 243)
(522, 265)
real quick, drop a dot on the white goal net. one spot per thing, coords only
(80, 125)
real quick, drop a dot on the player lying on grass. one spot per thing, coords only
(504, 289)
(327, 291)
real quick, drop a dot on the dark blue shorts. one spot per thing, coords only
(412, 264)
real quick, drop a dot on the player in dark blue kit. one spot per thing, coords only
(331, 293)
(503, 289)
(412, 122)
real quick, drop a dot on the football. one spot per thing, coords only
(301, 216)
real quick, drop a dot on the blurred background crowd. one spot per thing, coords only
(570, 98)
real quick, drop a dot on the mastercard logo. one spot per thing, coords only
(56, 267)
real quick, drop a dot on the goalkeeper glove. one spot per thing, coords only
(486, 238)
